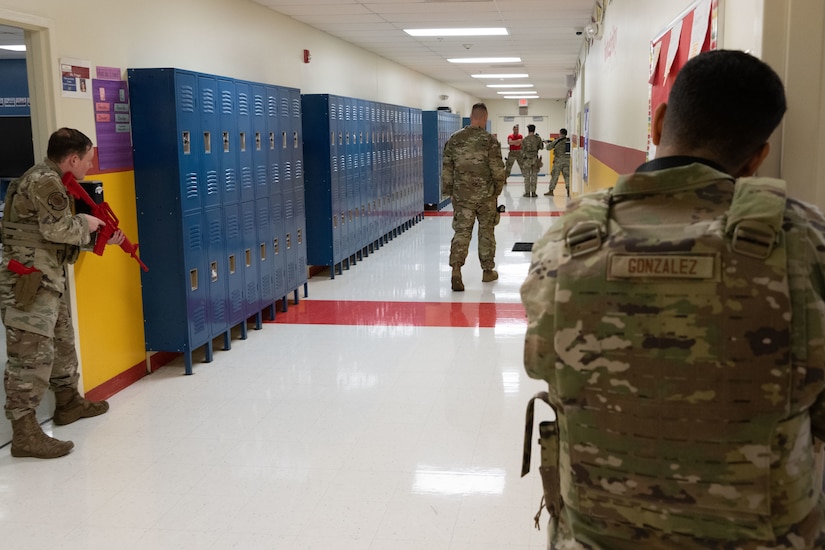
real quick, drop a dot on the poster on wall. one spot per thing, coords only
(690, 34)
(75, 77)
(112, 124)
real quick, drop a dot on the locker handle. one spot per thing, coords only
(272, 141)
(294, 140)
(187, 143)
(226, 142)
(288, 241)
(283, 140)
(263, 253)
(207, 143)
(258, 144)
(300, 239)
(275, 246)
(243, 141)
(193, 279)
(231, 264)
(213, 268)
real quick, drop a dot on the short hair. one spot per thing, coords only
(724, 101)
(65, 142)
(563, 131)
(531, 127)
(479, 109)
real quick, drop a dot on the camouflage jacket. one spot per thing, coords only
(531, 145)
(685, 420)
(38, 226)
(559, 147)
(472, 170)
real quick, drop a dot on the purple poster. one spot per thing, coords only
(113, 124)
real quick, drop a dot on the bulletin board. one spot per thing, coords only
(693, 32)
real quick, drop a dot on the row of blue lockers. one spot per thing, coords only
(229, 219)
(363, 175)
(220, 203)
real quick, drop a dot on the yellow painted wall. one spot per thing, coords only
(108, 294)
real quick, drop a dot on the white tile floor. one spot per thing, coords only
(314, 436)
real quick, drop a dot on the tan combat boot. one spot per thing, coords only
(71, 407)
(455, 281)
(29, 440)
(489, 275)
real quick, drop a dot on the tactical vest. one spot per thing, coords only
(680, 392)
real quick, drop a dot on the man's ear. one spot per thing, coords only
(755, 161)
(657, 123)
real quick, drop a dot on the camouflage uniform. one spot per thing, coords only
(530, 148)
(39, 231)
(513, 156)
(561, 163)
(687, 372)
(472, 176)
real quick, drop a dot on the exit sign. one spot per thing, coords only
(522, 102)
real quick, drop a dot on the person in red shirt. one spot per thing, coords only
(514, 141)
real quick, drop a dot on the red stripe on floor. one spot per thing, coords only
(417, 314)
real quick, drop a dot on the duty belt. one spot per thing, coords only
(26, 234)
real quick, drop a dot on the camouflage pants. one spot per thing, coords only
(560, 166)
(40, 348)
(530, 169)
(512, 158)
(464, 217)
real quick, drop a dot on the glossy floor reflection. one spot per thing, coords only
(384, 412)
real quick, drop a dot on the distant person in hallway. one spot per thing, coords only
(679, 321)
(41, 237)
(472, 175)
(561, 161)
(514, 155)
(530, 147)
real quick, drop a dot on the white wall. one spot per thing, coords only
(234, 38)
(787, 34)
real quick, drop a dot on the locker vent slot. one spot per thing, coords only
(187, 99)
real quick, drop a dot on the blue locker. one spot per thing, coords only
(438, 126)
(246, 140)
(254, 259)
(210, 140)
(297, 144)
(228, 141)
(260, 242)
(260, 140)
(277, 236)
(217, 258)
(235, 273)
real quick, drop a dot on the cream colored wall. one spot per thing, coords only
(787, 34)
(235, 38)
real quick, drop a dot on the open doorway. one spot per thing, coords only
(26, 114)
(504, 127)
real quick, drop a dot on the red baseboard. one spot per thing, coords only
(129, 376)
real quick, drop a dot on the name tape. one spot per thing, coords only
(666, 266)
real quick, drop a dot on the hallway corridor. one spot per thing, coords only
(382, 412)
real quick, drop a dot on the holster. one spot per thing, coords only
(26, 288)
(549, 464)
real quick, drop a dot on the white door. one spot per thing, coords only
(504, 128)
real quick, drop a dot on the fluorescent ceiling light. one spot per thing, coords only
(509, 85)
(521, 97)
(493, 31)
(14, 48)
(485, 60)
(524, 75)
(511, 92)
